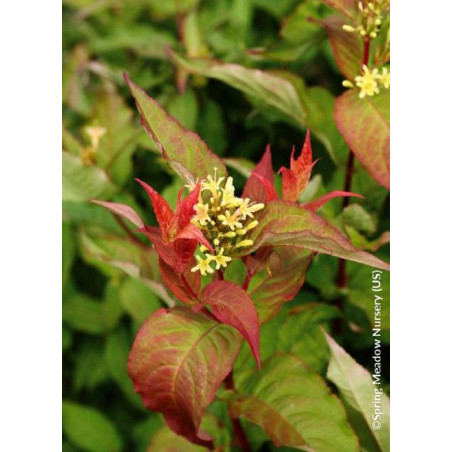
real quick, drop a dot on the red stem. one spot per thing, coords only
(366, 50)
(220, 275)
(246, 283)
(238, 429)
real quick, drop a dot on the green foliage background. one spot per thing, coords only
(104, 299)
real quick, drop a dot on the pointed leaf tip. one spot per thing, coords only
(162, 210)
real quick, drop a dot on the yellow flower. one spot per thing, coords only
(203, 265)
(220, 259)
(247, 209)
(212, 184)
(367, 82)
(230, 220)
(229, 198)
(202, 214)
(385, 77)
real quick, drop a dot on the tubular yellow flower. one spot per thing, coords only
(213, 185)
(220, 259)
(247, 209)
(203, 265)
(230, 220)
(367, 82)
(202, 214)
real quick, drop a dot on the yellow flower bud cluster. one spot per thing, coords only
(370, 81)
(371, 14)
(225, 221)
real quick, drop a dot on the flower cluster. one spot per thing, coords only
(370, 81)
(371, 18)
(225, 221)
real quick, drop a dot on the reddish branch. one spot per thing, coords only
(341, 273)
(238, 429)
(248, 277)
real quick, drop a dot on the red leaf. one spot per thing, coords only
(162, 210)
(260, 186)
(230, 304)
(289, 184)
(178, 360)
(192, 232)
(122, 210)
(175, 282)
(185, 209)
(183, 253)
(164, 250)
(295, 180)
(317, 203)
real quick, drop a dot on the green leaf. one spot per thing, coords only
(300, 335)
(357, 217)
(89, 315)
(364, 123)
(185, 151)
(120, 139)
(138, 300)
(276, 91)
(294, 406)
(116, 352)
(360, 295)
(177, 363)
(68, 251)
(184, 108)
(358, 390)
(283, 223)
(117, 253)
(90, 367)
(80, 183)
(89, 429)
(165, 440)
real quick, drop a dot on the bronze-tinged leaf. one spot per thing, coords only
(285, 223)
(122, 210)
(346, 7)
(185, 290)
(270, 290)
(191, 157)
(294, 406)
(274, 90)
(230, 304)
(347, 47)
(364, 123)
(177, 362)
